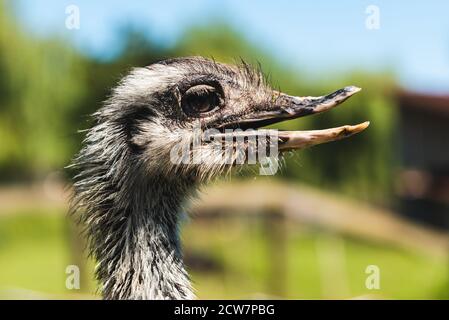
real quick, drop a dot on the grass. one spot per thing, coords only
(35, 250)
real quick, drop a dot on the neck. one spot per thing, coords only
(138, 246)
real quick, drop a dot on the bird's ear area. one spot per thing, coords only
(133, 124)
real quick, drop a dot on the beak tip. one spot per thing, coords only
(365, 124)
(360, 127)
(352, 89)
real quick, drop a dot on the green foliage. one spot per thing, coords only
(363, 165)
(48, 89)
(34, 252)
(41, 86)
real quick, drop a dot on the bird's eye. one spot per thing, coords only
(200, 99)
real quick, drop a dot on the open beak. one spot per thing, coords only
(286, 107)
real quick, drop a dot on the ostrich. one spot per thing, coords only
(131, 197)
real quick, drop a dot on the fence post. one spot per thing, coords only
(277, 241)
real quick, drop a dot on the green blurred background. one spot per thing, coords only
(50, 81)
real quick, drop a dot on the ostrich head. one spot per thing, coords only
(129, 189)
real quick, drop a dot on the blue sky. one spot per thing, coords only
(315, 36)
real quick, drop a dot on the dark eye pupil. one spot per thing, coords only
(202, 103)
(200, 99)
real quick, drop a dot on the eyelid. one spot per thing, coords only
(201, 87)
(202, 80)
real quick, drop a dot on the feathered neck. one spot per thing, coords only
(131, 219)
(139, 255)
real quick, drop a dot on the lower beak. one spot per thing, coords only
(290, 140)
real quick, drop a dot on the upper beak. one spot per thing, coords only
(295, 107)
(286, 107)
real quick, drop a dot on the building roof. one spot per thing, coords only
(437, 104)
